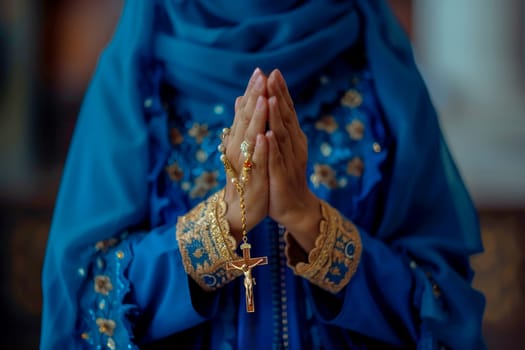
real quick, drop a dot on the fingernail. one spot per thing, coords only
(260, 103)
(259, 83)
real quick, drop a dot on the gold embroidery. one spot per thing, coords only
(335, 257)
(201, 156)
(104, 245)
(323, 174)
(356, 129)
(327, 123)
(198, 132)
(176, 136)
(352, 98)
(206, 244)
(355, 167)
(175, 172)
(103, 285)
(204, 183)
(325, 149)
(106, 326)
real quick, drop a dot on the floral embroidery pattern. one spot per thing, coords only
(198, 132)
(175, 172)
(205, 182)
(356, 129)
(324, 174)
(103, 285)
(104, 321)
(176, 136)
(105, 244)
(355, 167)
(327, 123)
(106, 326)
(352, 98)
(347, 141)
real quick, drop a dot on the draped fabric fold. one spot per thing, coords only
(215, 61)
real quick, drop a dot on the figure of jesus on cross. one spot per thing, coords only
(246, 264)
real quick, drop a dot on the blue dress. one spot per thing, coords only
(145, 153)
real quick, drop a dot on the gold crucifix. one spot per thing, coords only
(246, 264)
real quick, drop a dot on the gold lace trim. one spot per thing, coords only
(206, 244)
(336, 255)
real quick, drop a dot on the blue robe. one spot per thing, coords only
(144, 153)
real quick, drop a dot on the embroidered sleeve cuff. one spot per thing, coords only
(335, 257)
(206, 244)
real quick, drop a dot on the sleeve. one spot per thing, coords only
(357, 283)
(410, 292)
(137, 282)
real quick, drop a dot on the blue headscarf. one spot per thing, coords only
(217, 46)
(207, 50)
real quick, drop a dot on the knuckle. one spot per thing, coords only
(245, 117)
(280, 135)
(238, 103)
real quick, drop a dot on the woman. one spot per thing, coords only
(353, 224)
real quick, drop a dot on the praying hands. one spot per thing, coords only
(277, 184)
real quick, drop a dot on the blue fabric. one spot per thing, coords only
(214, 54)
(417, 222)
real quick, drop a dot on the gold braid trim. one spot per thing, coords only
(336, 255)
(206, 244)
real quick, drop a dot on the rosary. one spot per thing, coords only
(247, 263)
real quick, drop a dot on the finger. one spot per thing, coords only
(290, 120)
(277, 84)
(284, 89)
(280, 132)
(258, 120)
(246, 113)
(286, 104)
(275, 158)
(241, 102)
(278, 87)
(260, 159)
(250, 84)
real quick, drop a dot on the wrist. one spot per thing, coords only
(303, 223)
(336, 254)
(232, 213)
(256, 211)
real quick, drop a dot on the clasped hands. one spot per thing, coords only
(277, 187)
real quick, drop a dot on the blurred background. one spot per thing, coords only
(471, 53)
